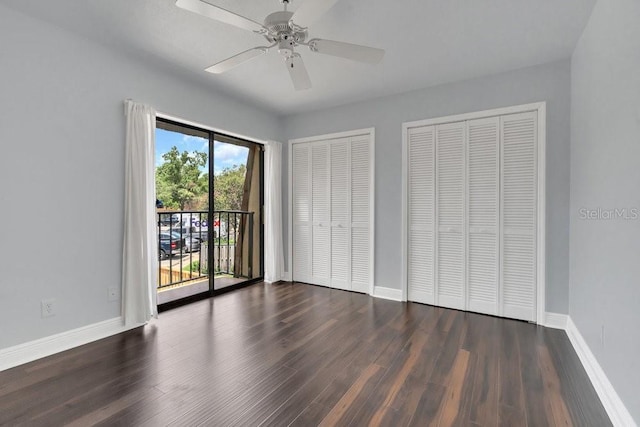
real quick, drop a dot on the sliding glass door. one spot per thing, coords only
(209, 202)
(237, 209)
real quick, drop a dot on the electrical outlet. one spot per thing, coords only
(48, 307)
(113, 293)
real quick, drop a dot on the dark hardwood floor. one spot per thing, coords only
(294, 354)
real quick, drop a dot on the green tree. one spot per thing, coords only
(228, 187)
(179, 180)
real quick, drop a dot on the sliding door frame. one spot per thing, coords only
(541, 109)
(212, 134)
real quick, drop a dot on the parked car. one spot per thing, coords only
(169, 219)
(192, 244)
(170, 245)
(193, 236)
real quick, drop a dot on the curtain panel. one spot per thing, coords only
(273, 247)
(140, 250)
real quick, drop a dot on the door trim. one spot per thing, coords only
(541, 109)
(370, 132)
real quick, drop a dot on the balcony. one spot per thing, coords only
(189, 250)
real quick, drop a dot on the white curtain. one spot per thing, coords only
(273, 248)
(140, 251)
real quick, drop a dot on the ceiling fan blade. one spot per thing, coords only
(236, 60)
(298, 72)
(220, 14)
(310, 10)
(355, 52)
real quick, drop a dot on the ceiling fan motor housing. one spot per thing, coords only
(281, 32)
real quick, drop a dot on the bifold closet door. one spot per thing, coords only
(472, 215)
(301, 213)
(483, 194)
(361, 186)
(421, 146)
(340, 195)
(331, 201)
(321, 226)
(450, 215)
(518, 220)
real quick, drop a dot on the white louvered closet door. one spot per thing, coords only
(321, 230)
(340, 224)
(483, 171)
(450, 214)
(421, 212)
(301, 214)
(361, 186)
(332, 201)
(518, 221)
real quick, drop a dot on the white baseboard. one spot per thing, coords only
(387, 293)
(33, 350)
(555, 320)
(618, 413)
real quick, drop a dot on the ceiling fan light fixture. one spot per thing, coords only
(285, 48)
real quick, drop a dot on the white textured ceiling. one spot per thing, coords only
(428, 42)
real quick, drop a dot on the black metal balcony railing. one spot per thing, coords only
(189, 249)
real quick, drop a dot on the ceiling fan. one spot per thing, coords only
(286, 30)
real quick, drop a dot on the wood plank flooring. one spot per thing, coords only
(301, 355)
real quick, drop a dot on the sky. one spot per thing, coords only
(224, 155)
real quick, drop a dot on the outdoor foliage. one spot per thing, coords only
(194, 267)
(180, 183)
(228, 187)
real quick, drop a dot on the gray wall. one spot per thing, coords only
(62, 168)
(605, 173)
(550, 82)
